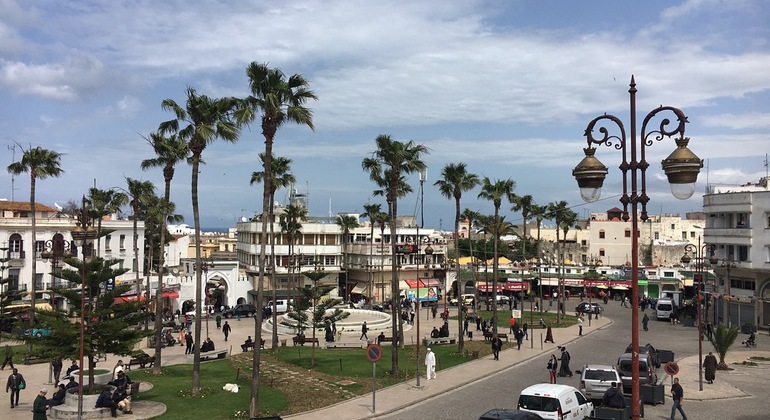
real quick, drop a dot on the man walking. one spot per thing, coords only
(677, 394)
(645, 321)
(8, 357)
(430, 364)
(15, 383)
(226, 330)
(580, 325)
(364, 330)
(710, 366)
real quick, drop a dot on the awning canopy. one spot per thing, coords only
(424, 283)
(514, 286)
(170, 294)
(487, 288)
(359, 288)
(128, 298)
(39, 306)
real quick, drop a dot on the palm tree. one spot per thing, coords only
(140, 192)
(524, 204)
(455, 179)
(291, 226)
(495, 191)
(559, 212)
(280, 100)
(371, 211)
(39, 163)
(346, 222)
(281, 178)
(205, 120)
(539, 212)
(472, 217)
(387, 167)
(382, 220)
(102, 203)
(169, 151)
(722, 339)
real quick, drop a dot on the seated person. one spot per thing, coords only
(71, 384)
(58, 397)
(614, 397)
(170, 341)
(208, 345)
(247, 344)
(119, 367)
(121, 398)
(380, 337)
(122, 379)
(434, 333)
(72, 368)
(105, 400)
(752, 337)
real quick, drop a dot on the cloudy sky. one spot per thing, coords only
(506, 86)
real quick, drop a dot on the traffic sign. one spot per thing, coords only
(373, 352)
(671, 368)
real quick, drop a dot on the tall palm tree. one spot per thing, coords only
(169, 151)
(472, 218)
(281, 178)
(559, 211)
(39, 163)
(201, 121)
(539, 212)
(382, 219)
(291, 226)
(140, 192)
(346, 222)
(524, 204)
(387, 167)
(279, 100)
(455, 179)
(495, 191)
(371, 211)
(102, 203)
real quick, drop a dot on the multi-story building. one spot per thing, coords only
(54, 233)
(738, 225)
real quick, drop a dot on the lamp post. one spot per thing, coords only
(84, 234)
(699, 252)
(681, 167)
(55, 250)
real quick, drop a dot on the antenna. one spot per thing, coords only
(766, 168)
(12, 148)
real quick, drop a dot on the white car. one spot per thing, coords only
(555, 401)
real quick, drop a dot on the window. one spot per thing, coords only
(601, 252)
(673, 226)
(692, 234)
(657, 235)
(122, 242)
(601, 234)
(627, 233)
(684, 236)
(743, 253)
(15, 243)
(39, 248)
(107, 242)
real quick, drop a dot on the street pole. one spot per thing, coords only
(681, 167)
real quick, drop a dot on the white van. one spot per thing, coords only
(555, 401)
(281, 305)
(663, 309)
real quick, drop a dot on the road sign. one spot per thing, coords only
(671, 368)
(373, 352)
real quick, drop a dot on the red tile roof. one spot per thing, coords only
(25, 206)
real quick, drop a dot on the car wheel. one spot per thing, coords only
(252, 314)
(228, 315)
(39, 334)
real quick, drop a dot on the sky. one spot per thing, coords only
(508, 87)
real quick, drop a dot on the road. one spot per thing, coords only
(603, 346)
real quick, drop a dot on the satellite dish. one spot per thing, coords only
(244, 219)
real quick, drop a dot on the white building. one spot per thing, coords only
(738, 224)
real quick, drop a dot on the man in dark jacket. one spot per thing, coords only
(15, 383)
(105, 400)
(121, 398)
(614, 397)
(58, 397)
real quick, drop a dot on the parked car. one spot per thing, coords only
(38, 332)
(595, 380)
(649, 350)
(467, 299)
(501, 300)
(647, 374)
(281, 305)
(555, 401)
(508, 414)
(245, 309)
(585, 307)
(663, 309)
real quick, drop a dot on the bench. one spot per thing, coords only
(214, 354)
(381, 340)
(302, 340)
(134, 390)
(250, 346)
(30, 359)
(437, 341)
(488, 336)
(142, 363)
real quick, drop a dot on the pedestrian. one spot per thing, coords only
(56, 365)
(645, 321)
(519, 335)
(430, 364)
(496, 344)
(710, 366)
(565, 371)
(709, 330)
(434, 311)
(72, 368)
(677, 394)
(219, 321)
(553, 365)
(411, 317)
(364, 330)
(465, 325)
(580, 325)
(105, 400)
(512, 325)
(549, 335)
(478, 323)
(182, 334)
(15, 384)
(542, 323)
(613, 397)
(58, 397)
(524, 330)
(226, 330)
(8, 357)
(189, 344)
(39, 406)
(121, 398)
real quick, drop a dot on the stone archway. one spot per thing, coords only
(764, 303)
(216, 292)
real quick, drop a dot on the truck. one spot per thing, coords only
(673, 295)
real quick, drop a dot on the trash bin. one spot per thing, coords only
(665, 356)
(628, 406)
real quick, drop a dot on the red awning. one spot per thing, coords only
(487, 288)
(596, 283)
(170, 294)
(620, 283)
(424, 283)
(128, 298)
(514, 286)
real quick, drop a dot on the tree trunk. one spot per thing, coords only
(161, 264)
(196, 380)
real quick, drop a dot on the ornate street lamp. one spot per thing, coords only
(55, 251)
(681, 168)
(700, 256)
(83, 234)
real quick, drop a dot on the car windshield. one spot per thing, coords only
(601, 375)
(536, 403)
(664, 307)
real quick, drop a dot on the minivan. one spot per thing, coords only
(555, 401)
(595, 380)
(281, 305)
(663, 309)
(646, 371)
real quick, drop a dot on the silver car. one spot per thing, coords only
(595, 380)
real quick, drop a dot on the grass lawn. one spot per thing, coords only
(172, 388)
(504, 315)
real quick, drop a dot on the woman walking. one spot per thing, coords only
(553, 366)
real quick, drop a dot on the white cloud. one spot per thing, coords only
(66, 80)
(750, 120)
(127, 106)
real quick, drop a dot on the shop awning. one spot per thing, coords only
(170, 294)
(487, 288)
(512, 286)
(128, 298)
(39, 306)
(424, 283)
(596, 283)
(359, 288)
